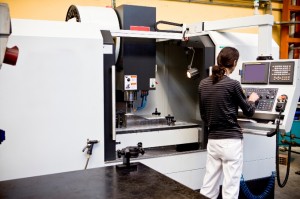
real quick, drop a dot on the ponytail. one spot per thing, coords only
(217, 73)
(227, 58)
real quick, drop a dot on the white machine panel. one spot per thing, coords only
(159, 138)
(259, 156)
(187, 168)
(51, 101)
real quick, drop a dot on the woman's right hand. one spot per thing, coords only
(253, 97)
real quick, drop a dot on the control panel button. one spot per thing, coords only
(266, 97)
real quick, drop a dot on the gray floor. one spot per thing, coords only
(292, 187)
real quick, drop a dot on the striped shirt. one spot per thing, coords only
(219, 105)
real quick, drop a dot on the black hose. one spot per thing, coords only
(277, 157)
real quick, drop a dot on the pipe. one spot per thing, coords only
(113, 4)
(239, 3)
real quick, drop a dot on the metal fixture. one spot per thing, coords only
(192, 73)
(130, 152)
(170, 120)
(129, 98)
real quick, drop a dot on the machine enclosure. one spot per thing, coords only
(137, 56)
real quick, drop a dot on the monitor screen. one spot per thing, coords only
(255, 73)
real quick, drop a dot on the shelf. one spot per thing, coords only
(287, 10)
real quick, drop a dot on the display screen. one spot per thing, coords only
(255, 73)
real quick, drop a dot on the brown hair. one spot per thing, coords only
(225, 59)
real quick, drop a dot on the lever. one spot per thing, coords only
(89, 146)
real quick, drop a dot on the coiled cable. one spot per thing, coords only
(266, 192)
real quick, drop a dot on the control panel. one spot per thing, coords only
(267, 97)
(281, 72)
(277, 83)
(268, 72)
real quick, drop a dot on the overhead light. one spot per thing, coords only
(192, 73)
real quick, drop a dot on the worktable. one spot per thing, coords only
(104, 183)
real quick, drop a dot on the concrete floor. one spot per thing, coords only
(292, 187)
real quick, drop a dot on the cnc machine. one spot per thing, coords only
(120, 83)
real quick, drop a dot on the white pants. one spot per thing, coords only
(224, 159)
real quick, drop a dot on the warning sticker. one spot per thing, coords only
(130, 82)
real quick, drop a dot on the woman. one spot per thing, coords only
(220, 97)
